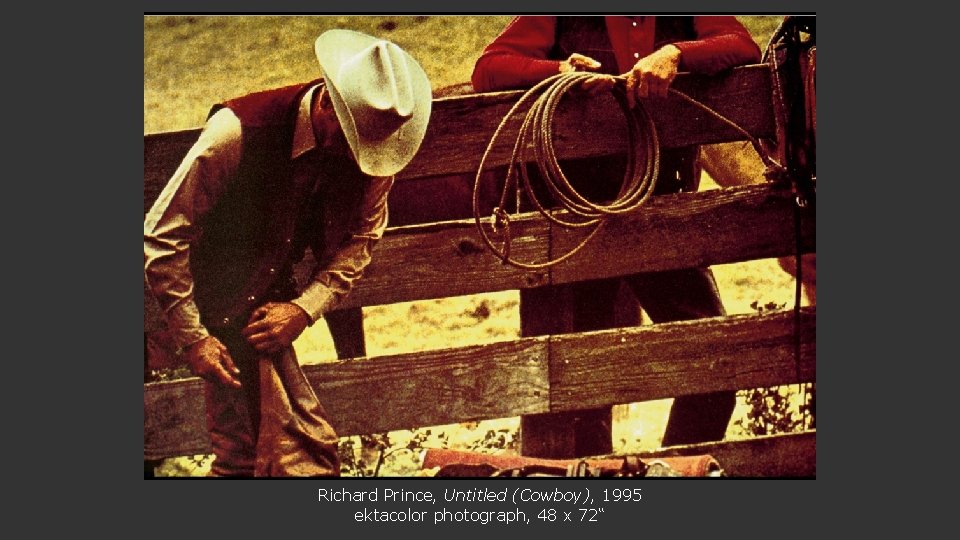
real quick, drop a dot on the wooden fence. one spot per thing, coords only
(561, 372)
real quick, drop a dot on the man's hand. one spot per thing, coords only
(651, 75)
(209, 359)
(273, 327)
(578, 62)
(594, 85)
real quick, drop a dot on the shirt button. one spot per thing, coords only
(226, 320)
(636, 55)
(288, 240)
(272, 271)
(251, 298)
(634, 23)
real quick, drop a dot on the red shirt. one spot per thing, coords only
(518, 57)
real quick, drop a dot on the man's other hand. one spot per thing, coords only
(273, 327)
(651, 75)
(209, 359)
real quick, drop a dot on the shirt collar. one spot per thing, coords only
(304, 139)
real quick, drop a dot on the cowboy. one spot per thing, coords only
(273, 173)
(648, 52)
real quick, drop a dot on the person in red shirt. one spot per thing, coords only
(649, 51)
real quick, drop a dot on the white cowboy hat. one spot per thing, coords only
(381, 96)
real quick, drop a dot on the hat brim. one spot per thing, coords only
(376, 157)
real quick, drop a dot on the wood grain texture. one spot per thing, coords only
(774, 456)
(670, 232)
(460, 127)
(446, 259)
(688, 230)
(380, 394)
(434, 387)
(586, 432)
(173, 419)
(458, 132)
(517, 378)
(674, 359)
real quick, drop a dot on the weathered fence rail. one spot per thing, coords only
(460, 127)
(560, 372)
(525, 376)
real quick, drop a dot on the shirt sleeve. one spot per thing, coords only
(332, 282)
(171, 224)
(722, 43)
(517, 58)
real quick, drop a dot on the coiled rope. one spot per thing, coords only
(537, 128)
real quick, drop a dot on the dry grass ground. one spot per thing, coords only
(190, 63)
(193, 62)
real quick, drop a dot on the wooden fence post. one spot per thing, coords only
(553, 310)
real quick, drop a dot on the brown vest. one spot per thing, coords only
(265, 219)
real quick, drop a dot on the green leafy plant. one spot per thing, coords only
(778, 409)
(775, 410)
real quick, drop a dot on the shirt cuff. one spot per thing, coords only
(316, 300)
(689, 55)
(543, 69)
(712, 56)
(184, 323)
(184, 337)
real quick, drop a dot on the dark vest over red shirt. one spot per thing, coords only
(266, 216)
(588, 36)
